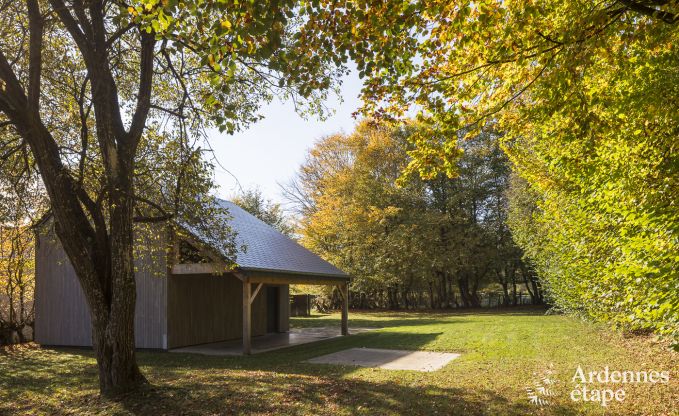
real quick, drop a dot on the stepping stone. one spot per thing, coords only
(388, 359)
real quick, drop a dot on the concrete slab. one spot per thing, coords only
(269, 342)
(388, 359)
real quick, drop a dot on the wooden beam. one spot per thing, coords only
(344, 289)
(301, 280)
(240, 275)
(201, 268)
(247, 310)
(254, 295)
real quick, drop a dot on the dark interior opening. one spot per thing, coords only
(272, 308)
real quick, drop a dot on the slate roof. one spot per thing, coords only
(269, 250)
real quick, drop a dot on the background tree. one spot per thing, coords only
(266, 210)
(404, 238)
(86, 88)
(358, 218)
(22, 203)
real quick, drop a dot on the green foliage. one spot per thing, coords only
(415, 236)
(266, 210)
(240, 53)
(585, 94)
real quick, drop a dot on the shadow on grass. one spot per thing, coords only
(279, 382)
(194, 385)
(319, 395)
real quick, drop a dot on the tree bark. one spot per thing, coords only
(98, 240)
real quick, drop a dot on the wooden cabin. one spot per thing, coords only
(185, 300)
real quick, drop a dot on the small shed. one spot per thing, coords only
(300, 305)
(183, 298)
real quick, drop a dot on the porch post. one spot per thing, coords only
(344, 289)
(247, 310)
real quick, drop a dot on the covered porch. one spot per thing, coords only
(253, 281)
(268, 342)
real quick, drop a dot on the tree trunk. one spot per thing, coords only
(474, 295)
(431, 295)
(512, 279)
(451, 292)
(111, 296)
(97, 239)
(532, 285)
(444, 291)
(505, 294)
(463, 285)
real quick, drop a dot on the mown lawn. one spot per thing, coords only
(503, 353)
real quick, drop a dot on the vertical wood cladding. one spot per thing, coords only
(61, 313)
(205, 308)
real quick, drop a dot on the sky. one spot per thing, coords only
(270, 151)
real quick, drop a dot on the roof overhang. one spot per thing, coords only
(258, 275)
(282, 277)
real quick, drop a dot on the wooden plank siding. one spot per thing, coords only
(61, 313)
(207, 308)
(174, 311)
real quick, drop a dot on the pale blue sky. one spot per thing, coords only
(270, 151)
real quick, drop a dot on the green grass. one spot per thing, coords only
(502, 354)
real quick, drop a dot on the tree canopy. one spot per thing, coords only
(584, 94)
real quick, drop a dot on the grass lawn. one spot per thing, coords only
(502, 355)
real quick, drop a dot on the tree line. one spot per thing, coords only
(411, 242)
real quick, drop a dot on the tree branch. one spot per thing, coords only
(148, 42)
(120, 32)
(148, 220)
(73, 28)
(642, 8)
(35, 26)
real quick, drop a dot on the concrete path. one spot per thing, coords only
(388, 359)
(269, 342)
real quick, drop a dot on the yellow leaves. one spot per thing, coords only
(226, 24)
(131, 10)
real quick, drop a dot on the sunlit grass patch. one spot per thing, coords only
(502, 354)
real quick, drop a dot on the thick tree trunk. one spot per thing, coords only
(98, 240)
(474, 294)
(118, 352)
(505, 293)
(111, 296)
(444, 290)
